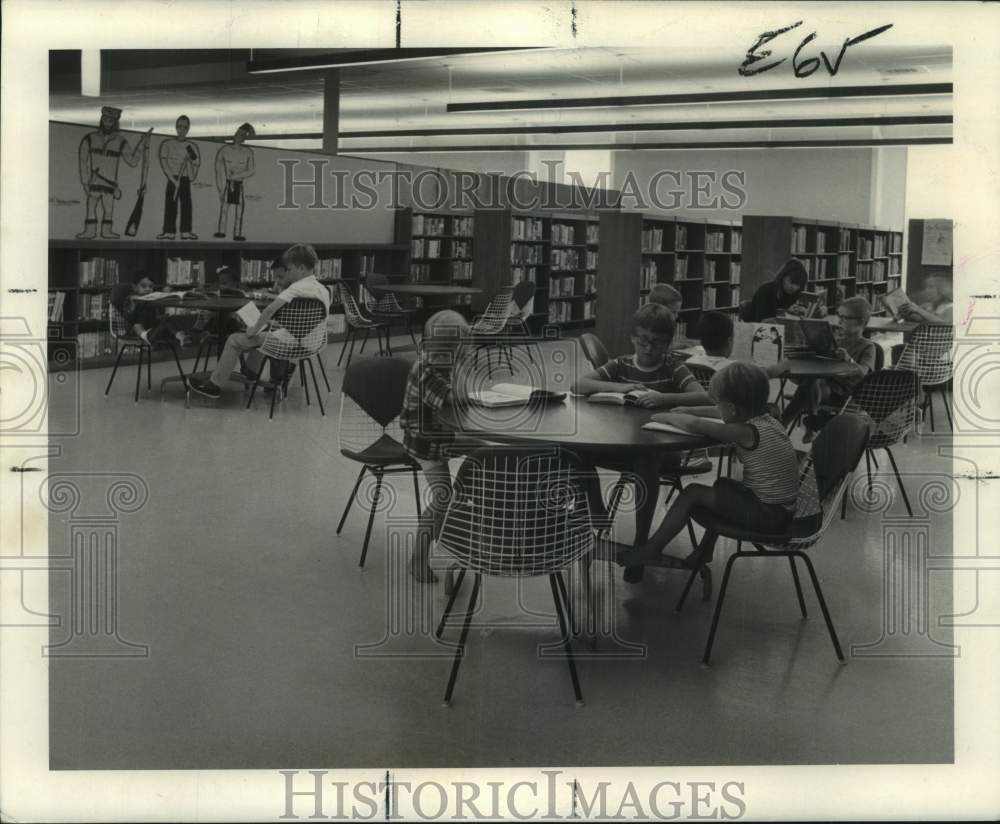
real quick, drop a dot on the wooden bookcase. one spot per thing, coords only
(85, 271)
(845, 259)
(442, 247)
(701, 259)
(556, 251)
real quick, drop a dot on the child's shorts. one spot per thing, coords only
(739, 505)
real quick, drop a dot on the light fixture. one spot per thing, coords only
(90, 72)
(800, 93)
(363, 57)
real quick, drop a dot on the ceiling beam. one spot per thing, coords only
(799, 93)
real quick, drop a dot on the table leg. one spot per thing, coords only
(647, 472)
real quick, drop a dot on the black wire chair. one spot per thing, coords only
(124, 340)
(928, 353)
(489, 329)
(823, 481)
(386, 307)
(517, 513)
(369, 431)
(296, 335)
(356, 321)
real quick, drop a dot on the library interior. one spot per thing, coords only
(440, 397)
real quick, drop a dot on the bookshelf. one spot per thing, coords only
(701, 259)
(84, 272)
(844, 259)
(441, 246)
(558, 252)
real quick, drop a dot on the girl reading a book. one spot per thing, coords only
(779, 295)
(146, 319)
(764, 501)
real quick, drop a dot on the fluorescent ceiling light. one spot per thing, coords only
(90, 72)
(361, 57)
(801, 93)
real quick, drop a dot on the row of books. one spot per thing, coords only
(520, 273)
(98, 271)
(589, 309)
(681, 268)
(93, 306)
(428, 225)
(461, 248)
(462, 226)
(872, 272)
(523, 253)
(815, 267)
(652, 238)
(461, 269)
(843, 266)
(565, 259)
(57, 300)
(562, 287)
(424, 248)
(845, 240)
(527, 228)
(94, 345)
(563, 234)
(798, 239)
(682, 237)
(895, 266)
(715, 241)
(871, 247)
(716, 270)
(647, 274)
(592, 232)
(710, 298)
(562, 311)
(590, 284)
(895, 243)
(182, 270)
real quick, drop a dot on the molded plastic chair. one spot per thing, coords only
(297, 334)
(593, 350)
(517, 512)
(369, 430)
(356, 321)
(125, 339)
(928, 353)
(823, 481)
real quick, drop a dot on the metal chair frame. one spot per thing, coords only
(124, 340)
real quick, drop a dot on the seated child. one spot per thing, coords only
(715, 333)
(764, 501)
(430, 385)
(665, 295)
(297, 281)
(148, 320)
(650, 367)
(855, 349)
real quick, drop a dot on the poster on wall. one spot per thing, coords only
(108, 183)
(937, 243)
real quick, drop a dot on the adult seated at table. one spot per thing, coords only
(779, 296)
(297, 279)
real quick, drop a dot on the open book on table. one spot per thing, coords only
(513, 394)
(656, 426)
(618, 398)
(191, 293)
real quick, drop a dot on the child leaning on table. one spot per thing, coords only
(651, 366)
(145, 319)
(430, 385)
(764, 501)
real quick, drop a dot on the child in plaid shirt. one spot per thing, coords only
(430, 386)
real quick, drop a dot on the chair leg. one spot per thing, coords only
(899, 481)
(704, 572)
(555, 582)
(843, 502)
(718, 606)
(348, 336)
(947, 408)
(350, 353)
(371, 515)
(930, 407)
(868, 467)
(256, 380)
(305, 383)
(875, 459)
(350, 500)
(322, 371)
(361, 351)
(180, 369)
(312, 372)
(616, 497)
(114, 371)
(822, 604)
(416, 490)
(798, 586)
(274, 394)
(409, 328)
(138, 374)
(565, 597)
(451, 601)
(460, 651)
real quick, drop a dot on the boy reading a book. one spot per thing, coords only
(430, 385)
(715, 334)
(147, 320)
(662, 377)
(297, 281)
(764, 501)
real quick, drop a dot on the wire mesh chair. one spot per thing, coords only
(387, 307)
(928, 353)
(521, 301)
(297, 334)
(124, 339)
(369, 430)
(888, 398)
(594, 350)
(516, 513)
(490, 327)
(823, 480)
(356, 321)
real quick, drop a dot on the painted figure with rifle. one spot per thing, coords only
(180, 161)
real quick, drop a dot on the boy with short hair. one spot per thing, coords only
(431, 385)
(666, 295)
(297, 281)
(715, 333)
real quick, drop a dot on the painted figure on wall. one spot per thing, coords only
(233, 166)
(180, 161)
(98, 155)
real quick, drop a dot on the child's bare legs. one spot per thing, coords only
(673, 522)
(438, 478)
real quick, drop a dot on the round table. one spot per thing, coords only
(424, 290)
(805, 368)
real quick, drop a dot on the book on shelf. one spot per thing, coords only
(589, 309)
(520, 273)
(182, 270)
(710, 270)
(93, 306)
(563, 234)
(559, 311)
(708, 297)
(366, 264)
(565, 259)
(57, 301)
(734, 272)
(798, 239)
(527, 228)
(461, 248)
(715, 241)
(659, 426)
(523, 253)
(652, 239)
(91, 345)
(736, 241)
(647, 274)
(619, 398)
(330, 268)
(462, 226)
(589, 284)
(593, 230)
(461, 269)
(428, 225)
(567, 285)
(513, 394)
(553, 287)
(681, 267)
(682, 237)
(845, 240)
(98, 271)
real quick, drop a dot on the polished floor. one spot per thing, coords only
(268, 646)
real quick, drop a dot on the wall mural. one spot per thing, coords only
(234, 165)
(180, 161)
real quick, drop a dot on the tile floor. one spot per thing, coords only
(268, 645)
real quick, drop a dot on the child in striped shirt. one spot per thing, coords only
(765, 499)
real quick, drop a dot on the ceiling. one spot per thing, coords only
(395, 99)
